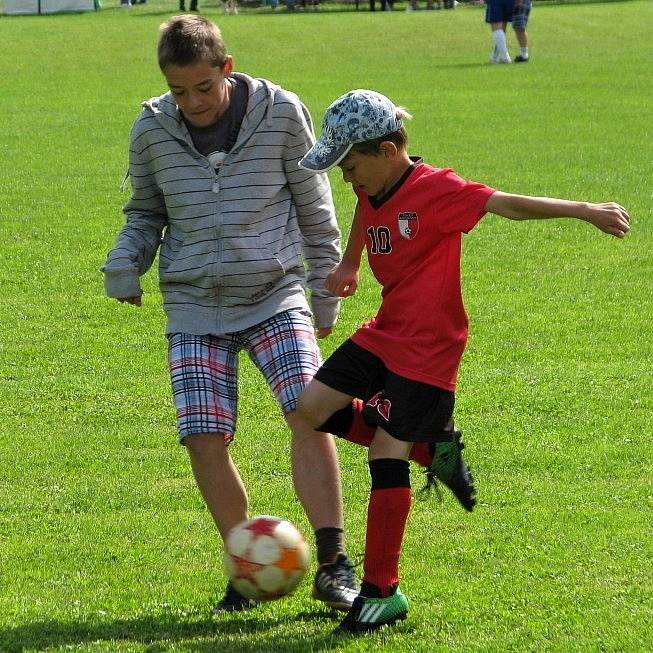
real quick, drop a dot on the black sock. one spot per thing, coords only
(330, 542)
(371, 591)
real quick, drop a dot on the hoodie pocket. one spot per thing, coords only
(249, 270)
(189, 270)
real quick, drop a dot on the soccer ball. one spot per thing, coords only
(265, 558)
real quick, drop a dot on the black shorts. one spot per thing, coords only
(408, 410)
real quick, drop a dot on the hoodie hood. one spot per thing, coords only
(259, 108)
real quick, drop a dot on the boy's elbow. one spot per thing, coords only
(505, 205)
(495, 202)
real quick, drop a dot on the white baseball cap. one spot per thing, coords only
(354, 117)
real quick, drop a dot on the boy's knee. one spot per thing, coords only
(201, 445)
(313, 410)
(302, 408)
(318, 403)
(308, 405)
(338, 423)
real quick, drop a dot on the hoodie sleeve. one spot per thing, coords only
(316, 219)
(139, 239)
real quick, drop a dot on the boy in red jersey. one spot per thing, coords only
(404, 362)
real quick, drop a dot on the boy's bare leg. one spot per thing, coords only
(218, 480)
(316, 474)
(317, 481)
(522, 37)
(316, 477)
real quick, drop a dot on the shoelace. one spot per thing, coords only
(431, 486)
(344, 573)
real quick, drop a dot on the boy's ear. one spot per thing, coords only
(228, 66)
(388, 149)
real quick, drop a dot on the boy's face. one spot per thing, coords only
(201, 90)
(370, 173)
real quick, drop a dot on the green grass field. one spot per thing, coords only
(104, 541)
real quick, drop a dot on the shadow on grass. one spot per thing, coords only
(158, 633)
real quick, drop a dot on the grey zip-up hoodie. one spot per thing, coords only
(236, 246)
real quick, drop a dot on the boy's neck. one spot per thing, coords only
(398, 169)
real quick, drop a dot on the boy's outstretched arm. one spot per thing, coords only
(342, 281)
(609, 217)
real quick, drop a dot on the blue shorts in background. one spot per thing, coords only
(499, 11)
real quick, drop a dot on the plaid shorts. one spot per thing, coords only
(204, 370)
(520, 14)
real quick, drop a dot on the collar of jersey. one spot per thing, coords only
(379, 200)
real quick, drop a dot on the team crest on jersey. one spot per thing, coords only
(408, 224)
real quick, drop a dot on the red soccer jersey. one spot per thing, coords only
(413, 241)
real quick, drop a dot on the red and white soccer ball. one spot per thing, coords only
(265, 558)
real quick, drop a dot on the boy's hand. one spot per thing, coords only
(610, 217)
(342, 281)
(136, 301)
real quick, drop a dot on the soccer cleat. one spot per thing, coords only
(368, 614)
(520, 59)
(448, 467)
(335, 583)
(233, 601)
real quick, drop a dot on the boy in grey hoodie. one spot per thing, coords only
(240, 230)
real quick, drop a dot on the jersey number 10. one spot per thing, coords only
(380, 240)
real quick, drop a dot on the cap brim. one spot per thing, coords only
(317, 160)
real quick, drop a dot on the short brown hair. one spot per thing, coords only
(399, 138)
(185, 40)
